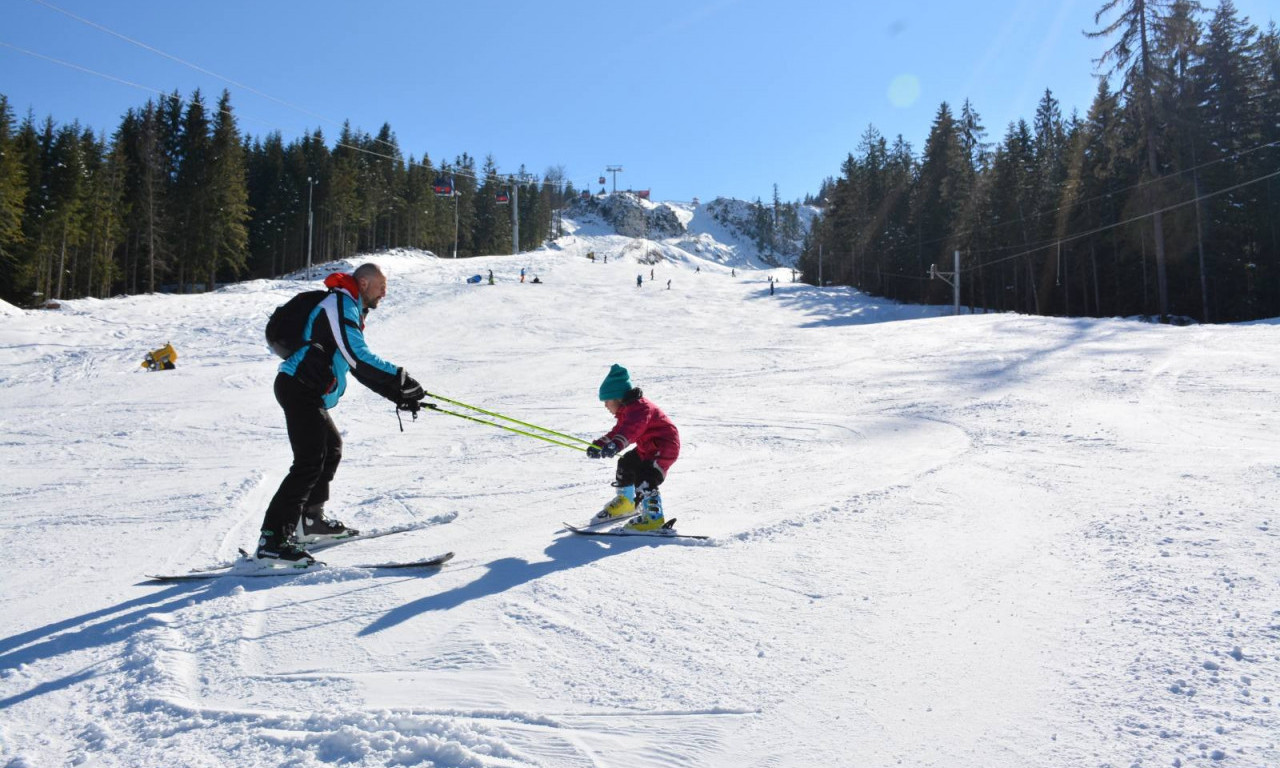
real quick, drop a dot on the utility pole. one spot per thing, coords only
(819, 265)
(311, 185)
(950, 278)
(456, 194)
(615, 170)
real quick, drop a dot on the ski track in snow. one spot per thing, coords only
(979, 541)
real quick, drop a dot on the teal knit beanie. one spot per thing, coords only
(616, 385)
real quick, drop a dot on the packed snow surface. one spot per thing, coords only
(963, 542)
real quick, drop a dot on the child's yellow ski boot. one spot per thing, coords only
(650, 517)
(621, 506)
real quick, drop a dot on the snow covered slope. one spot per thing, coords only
(950, 541)
(714, 231)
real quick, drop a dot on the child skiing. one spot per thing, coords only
(641, 471)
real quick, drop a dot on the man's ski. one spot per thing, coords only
(665, 532)
(317, 546)
(249, 567)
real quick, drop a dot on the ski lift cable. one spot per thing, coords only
(243, 116)
(181, 61)
(248, 88)
(1073, 205)
(1128, 221)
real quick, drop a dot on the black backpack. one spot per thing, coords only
(284, 329)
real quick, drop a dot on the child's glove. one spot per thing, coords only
(603, 450)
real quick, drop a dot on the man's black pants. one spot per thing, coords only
(317, 449)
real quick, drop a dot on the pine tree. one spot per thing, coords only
(973, 136)
(194, 202)
(1133, 53)
(64, 181)
(344, 195)
(1232, 124)
(382, 166)
(943, 192)
(149, 187)
(492, 225)
(228, 195)
(1048, 216)
(274, 204)
(1267, 217)
(13, 190)
(1178, 53)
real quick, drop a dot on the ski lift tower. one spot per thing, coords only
(515, 180)
(615, 170)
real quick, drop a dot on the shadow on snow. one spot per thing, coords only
(567, 552)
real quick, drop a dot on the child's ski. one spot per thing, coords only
(597, 522)
(665, 532)
(253, 569)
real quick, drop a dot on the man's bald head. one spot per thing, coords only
(373, 284)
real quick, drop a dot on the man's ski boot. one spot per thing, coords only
(272, 546)
(650, 517)
(313, 526)
(621, 506)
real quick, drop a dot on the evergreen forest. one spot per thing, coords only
(1162, 201)
(178, 199)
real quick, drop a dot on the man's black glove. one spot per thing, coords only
(410, 391)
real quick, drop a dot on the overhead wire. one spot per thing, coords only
(147, 88)
(1073, 205)
(1125, 222)
(102, 28)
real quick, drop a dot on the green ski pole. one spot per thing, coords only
(508, 418)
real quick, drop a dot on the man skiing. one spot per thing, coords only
(310, 382)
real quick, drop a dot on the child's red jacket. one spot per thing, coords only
(643, 423)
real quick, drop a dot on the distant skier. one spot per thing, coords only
(311, 382)
(639, 280)
(522, 274)
(491, 277)
(668, 284)
(641, 471)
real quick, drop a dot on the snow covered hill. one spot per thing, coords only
(718, 231)
(935, 541)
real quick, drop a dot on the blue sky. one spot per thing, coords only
(697, 98)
